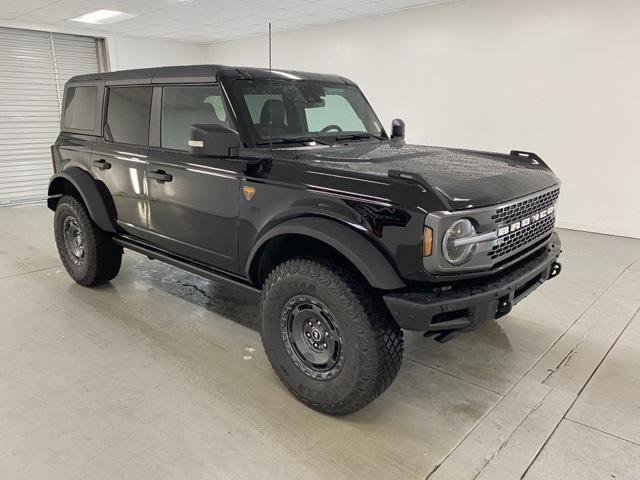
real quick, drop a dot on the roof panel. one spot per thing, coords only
(195, 74)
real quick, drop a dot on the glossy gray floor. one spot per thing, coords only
(161, 374)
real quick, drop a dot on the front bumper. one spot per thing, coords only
(464, 306)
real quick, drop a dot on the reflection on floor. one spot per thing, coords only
(161, 374)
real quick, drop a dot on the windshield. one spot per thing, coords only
(306, 111)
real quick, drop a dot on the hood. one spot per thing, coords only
(465, 178)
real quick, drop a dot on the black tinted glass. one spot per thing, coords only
(80, 108)
(128, 114)
(185, 106)
(281, 109)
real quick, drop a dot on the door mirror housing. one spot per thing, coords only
(213, 140)
(397, 129)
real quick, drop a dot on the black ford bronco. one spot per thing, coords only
(286, 183)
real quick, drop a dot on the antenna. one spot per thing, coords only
(269, 97)
(269, 47)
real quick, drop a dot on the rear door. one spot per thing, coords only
(193, 202)
(119, 159)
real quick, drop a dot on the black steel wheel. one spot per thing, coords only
(312, 337)
(87, 253)
(73, 240)
(328, 336)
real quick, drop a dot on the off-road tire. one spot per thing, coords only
(101, 258)
(372, 341)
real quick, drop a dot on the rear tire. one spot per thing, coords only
(333, 344)
(87, 253)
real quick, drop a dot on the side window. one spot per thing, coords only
(80, 108)
(183, 106)
(218, 106)
(336, 111)
(128, 113)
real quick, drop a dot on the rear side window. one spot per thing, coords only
(183, 106)
(128, 113)
(80, 108)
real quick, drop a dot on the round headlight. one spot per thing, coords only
(458, 255)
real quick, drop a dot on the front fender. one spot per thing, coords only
(364, 255)
(98, 206)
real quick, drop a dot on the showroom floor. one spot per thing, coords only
(162, 375)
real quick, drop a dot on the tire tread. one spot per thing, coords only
(104, 264)
(382, 334)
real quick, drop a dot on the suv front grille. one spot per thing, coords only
(511, 231)
(516, 211)
(525, 235)
(515, 240)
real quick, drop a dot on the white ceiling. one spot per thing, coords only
(197, 21)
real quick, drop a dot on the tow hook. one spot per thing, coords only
(556, 268)
(443, 336)
(504, 306)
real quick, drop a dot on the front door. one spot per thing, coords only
(193, 202)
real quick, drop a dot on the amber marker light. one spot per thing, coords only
(427, 242)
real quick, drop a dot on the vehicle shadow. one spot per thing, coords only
(241, 307)
(235, 304)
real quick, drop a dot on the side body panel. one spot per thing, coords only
(285, 191)
(73, 150)
(195, 214)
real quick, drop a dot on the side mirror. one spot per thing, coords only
(397, 129)
(213, 140)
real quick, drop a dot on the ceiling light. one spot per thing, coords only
(103, 16)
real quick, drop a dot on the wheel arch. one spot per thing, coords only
(93, 194)
(326, 235)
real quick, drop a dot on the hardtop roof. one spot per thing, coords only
(198, 74)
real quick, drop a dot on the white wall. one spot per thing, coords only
(135, 52)
(558, 77)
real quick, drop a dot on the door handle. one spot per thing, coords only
(160, 176)
(101, 164)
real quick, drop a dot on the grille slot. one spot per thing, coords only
(515, 240)
(516, 211)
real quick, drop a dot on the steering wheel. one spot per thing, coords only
(331, 127)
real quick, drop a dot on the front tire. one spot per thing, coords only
(329, 339)
(87, 253)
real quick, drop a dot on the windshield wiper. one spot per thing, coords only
(291, 140)
(357, 136)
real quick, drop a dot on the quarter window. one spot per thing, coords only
(80, 108)
(128, 114)
(183, 106)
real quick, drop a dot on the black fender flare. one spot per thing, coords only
(370, 261)
(89, 190)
